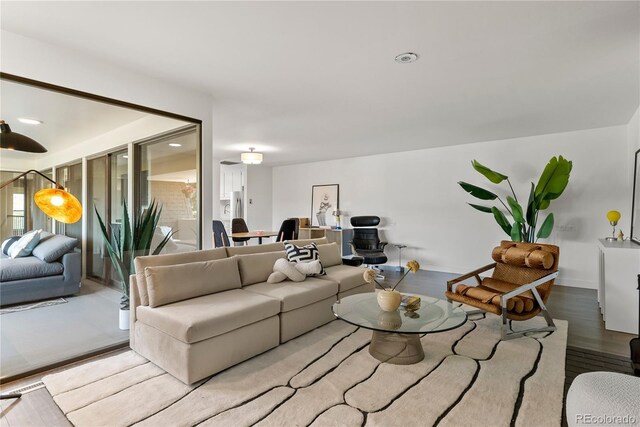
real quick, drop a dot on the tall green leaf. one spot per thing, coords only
(531, 207)
(492, 176)
(502, 220)
(132, 242)
(516, 210)
(480, 208)
(547, 226)
(554, 178)
(477, 192)
(516, 232)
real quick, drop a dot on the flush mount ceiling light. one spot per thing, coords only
(15, 141)
(29, 121)
(175, 144)
(406, 58)
(251, 158)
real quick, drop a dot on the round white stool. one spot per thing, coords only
(603, 399)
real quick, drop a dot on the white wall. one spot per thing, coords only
(417, 195)
(37, 60)
(259, 198)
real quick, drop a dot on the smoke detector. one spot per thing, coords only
(406, 58)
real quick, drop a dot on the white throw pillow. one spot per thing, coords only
(288, 269)
(311, 268)
(25, 245)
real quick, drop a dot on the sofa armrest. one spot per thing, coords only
(72, 267)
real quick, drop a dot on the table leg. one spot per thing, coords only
(260, 240)
(395, 348)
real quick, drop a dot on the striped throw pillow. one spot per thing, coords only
(6, 245)
(306, 253)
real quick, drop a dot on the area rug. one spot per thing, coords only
(30, 306)
(327, 378)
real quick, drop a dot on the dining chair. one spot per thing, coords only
(239, 226)
(220, 237)
(287, 230)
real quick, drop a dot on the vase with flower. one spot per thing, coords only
(388, 298)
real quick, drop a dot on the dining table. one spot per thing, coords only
(254, 235)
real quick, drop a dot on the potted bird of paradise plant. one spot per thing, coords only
(550, 186)
(124, 246)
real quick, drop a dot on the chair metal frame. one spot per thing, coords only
(505, 331)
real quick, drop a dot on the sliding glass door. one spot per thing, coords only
(70, 177)
(168, 173)
(107, 181)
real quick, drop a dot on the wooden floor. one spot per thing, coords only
(587, 337)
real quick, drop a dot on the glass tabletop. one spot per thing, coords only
(432, 315)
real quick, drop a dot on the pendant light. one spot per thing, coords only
(56, 203)
(251, 157)
(15, 141)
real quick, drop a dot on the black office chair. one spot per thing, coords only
(220, 237)
(296, 233)
(287, 230)
(366, 242)
(239, 226)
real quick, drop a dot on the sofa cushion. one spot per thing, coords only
(330, 254)
(301, 254)
(255, 249)
(346, 276)
(6, 245)
(208, 316)
(303, 242)
(27, 268)
(256, 268)
(25, 245)
(295, 295)
(52, 248)
(173, 283)
(170, 259)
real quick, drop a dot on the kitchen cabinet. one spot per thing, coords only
(619, 266)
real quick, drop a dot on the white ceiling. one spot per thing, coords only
(67, 120)
(306, 81)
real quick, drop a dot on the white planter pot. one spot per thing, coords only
(389, 300)
(124, 320)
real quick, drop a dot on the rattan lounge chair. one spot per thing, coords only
(522, 279)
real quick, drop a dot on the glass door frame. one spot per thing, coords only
(137, 166)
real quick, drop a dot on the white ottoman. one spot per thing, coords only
(604, 399)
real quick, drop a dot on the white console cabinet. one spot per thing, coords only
(619, 266)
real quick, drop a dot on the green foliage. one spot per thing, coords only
(478, 192)
(501, 220)
(546, 227)
(492, 176)
(480, 208)
(551, 184)
(123, 247)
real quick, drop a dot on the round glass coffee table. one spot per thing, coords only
(396, 334)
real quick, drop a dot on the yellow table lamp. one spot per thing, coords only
(613, 217)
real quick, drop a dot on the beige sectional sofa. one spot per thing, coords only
(197, 313)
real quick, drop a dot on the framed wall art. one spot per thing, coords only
(324, 201)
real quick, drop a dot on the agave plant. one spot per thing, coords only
(123, 247)
(552, 182)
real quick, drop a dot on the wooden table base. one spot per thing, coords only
(398, 349)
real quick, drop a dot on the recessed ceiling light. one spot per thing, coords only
(406, 58)
(29, 121)
(175, 144)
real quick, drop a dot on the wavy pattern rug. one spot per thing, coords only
(327, 378)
